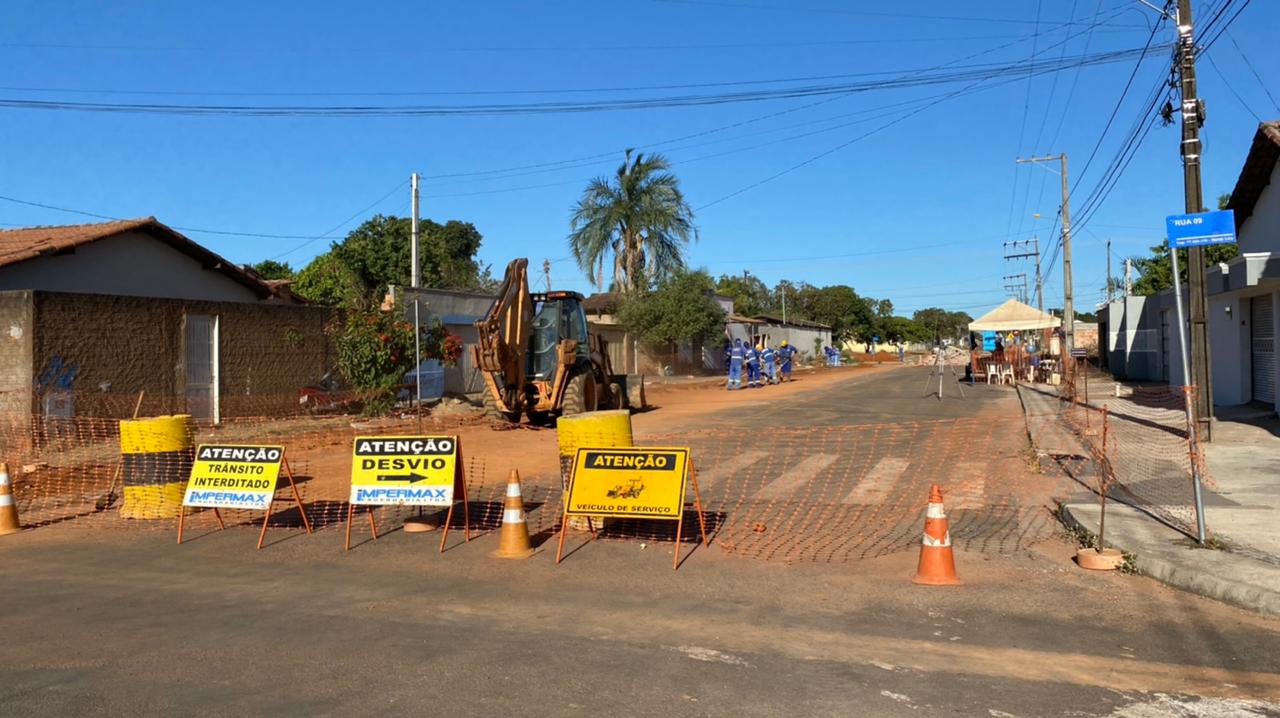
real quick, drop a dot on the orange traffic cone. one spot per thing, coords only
(513, 541)
(937, 565)
(9, 523)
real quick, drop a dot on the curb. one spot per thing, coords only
(1188, 578)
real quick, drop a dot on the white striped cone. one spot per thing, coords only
(9, 522)
(937, 512)
(513, 539)
(937, 565)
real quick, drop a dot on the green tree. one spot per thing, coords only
(679, 309)
(271, 269)
(326, 280)
(357, 270)
(751, 296)
(638, 218)
(942, 324)
(904, 330)
(837, 306)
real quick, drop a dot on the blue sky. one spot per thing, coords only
(915, 211)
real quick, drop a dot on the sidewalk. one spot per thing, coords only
(1240, 512)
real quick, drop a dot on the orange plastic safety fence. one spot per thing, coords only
(822, 494)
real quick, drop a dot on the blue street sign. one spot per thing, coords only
(1202, 228)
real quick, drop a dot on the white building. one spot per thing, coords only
(1244, 294)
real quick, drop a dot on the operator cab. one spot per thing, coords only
(556, 316)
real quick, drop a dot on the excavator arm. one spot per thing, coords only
(503, 339)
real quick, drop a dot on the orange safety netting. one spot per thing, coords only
(825, 494)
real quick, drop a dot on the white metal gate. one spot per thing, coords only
(1166, 345)
(1262, 341)
(201, 352)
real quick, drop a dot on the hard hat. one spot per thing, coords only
(759, 346)
(784, 342)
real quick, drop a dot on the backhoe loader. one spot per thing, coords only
(538, 358)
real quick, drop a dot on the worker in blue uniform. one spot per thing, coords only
(767, 365)
(753, 366)
(736, 357)
(785, 353)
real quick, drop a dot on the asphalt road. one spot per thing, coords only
(126, 622)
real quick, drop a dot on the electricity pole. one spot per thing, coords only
(1109, 282)
(1068, 306)
(415, 279)
(1192, 118)
(546, 271)
(1034, 243)
(1016, 284)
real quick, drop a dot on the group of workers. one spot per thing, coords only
(764, 365)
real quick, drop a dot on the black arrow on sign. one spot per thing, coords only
(410, 478)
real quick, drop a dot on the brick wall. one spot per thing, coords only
(123, 345)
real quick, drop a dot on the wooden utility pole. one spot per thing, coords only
(1192, 117)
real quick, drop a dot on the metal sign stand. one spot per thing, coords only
(297, 499)
(459, 490)
(1192, 438)
(675, 560)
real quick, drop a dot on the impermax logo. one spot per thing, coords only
(227, 498)
(627, 461)
(405, 495)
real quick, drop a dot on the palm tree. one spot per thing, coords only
(639, 218)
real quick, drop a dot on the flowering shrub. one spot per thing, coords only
(375, 351)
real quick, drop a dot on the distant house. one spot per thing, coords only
(93, 314)
(806, 336)
(458, 311)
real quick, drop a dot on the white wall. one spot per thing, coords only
(131, 264)
(1229, 347)
(1261, 232)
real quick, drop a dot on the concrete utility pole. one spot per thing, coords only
(415, 279)
(1192, 118)
(1128, 277)
(414, 270)
(1109, 271)
(1034, 243)
(1068, 307)
(546, 272)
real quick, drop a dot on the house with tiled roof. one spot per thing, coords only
(93, 315)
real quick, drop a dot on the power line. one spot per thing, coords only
(1252, 69)
(397, 188)
(863, 13)
(204, 230)
(847, 143)
(438, 49)
(1232, 90)
(559, 107)
(595, 158)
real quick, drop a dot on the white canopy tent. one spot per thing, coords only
(1013, 316)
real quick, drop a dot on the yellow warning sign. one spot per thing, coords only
(646, 483)
(233, 476)
(404, 470)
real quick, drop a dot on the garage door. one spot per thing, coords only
(1262, 329)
